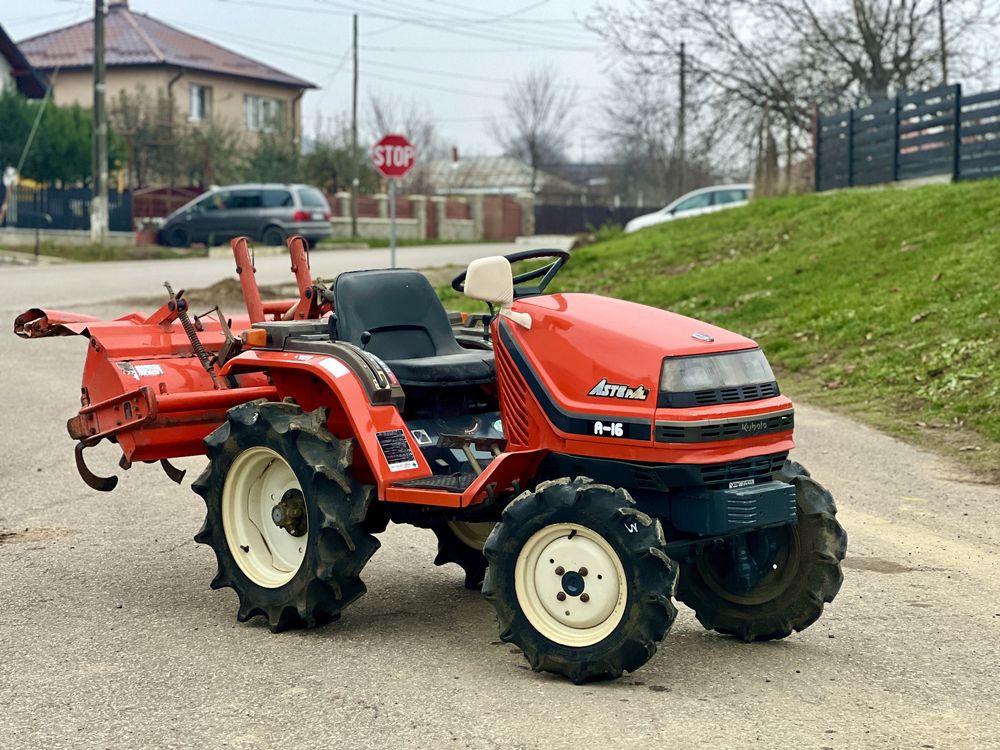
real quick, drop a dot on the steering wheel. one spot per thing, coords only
(546, 273)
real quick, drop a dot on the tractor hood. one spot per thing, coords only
(595, 352)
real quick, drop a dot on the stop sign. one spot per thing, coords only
(393, 156)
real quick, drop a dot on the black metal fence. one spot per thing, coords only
(555, 219)
(934, 132)
(65, 208)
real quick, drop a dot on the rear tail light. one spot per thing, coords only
(302, 216)
(328, 215)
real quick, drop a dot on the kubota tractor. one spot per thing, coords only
(586, 460)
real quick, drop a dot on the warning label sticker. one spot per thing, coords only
(146, 371)
(396, 450)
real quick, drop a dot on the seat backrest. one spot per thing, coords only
(400, 311)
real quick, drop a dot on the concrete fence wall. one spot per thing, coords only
(423, 217)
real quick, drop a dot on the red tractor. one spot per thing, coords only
(586, 460)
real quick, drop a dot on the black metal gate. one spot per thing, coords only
(569, 219)
(924, 134)
(66, 208)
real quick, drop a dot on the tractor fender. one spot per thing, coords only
(391, 451)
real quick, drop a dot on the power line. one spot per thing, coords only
(478, 50)
(508, 17)
(342, 58)
(237, 39)
(432, 86)
(430, 23)
(444, 73)
(567, 36)
(36, 17)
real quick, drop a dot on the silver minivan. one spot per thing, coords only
(267, 213)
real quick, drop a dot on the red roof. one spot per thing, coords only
(133, 39)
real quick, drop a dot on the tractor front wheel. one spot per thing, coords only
(580, 580)
(766, 584)
(284, 515)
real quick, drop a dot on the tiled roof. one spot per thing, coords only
(138, 39)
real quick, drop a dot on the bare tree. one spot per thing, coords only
(536, 129)
(639, 131)
(758, 61)
(148, 126)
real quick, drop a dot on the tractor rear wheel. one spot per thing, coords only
(461, 542)
(769, 583)
(285, 517)
(580, 580)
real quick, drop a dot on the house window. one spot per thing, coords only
(261, 113)
(198, 102)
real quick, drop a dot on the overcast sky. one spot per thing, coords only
(452, 56)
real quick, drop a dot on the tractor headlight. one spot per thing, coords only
(704, 372)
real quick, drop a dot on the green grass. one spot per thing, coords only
(883, 303)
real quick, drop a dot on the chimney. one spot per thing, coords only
(112, 4)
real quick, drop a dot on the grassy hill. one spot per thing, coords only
(885, 303)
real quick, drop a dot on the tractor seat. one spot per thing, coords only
(395, 315)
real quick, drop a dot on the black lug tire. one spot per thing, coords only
(814, 581)
(338, 544)
(651, 577)
(273, 236)
(790, 470)
(451, 549)
(180, 237)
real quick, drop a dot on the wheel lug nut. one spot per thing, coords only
(583, 572)
(584, 598)
(560, 570)
(561, 596)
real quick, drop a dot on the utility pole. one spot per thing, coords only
(99, 148)
(944, 49)
(354, 137)
(681, 122)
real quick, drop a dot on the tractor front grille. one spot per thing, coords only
(737, 428)
(734, 395)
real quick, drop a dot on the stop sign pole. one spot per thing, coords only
(393, 157)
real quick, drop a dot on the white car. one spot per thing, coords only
(697, 202)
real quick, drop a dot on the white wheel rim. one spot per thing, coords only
(583, 616)
(472, 534)
(267, 553)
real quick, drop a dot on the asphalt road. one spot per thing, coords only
(62, 285)
(110, 636)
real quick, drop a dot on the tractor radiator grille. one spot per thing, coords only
(737, 428)
(758, 468)
(513, 395)
(735, 395)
